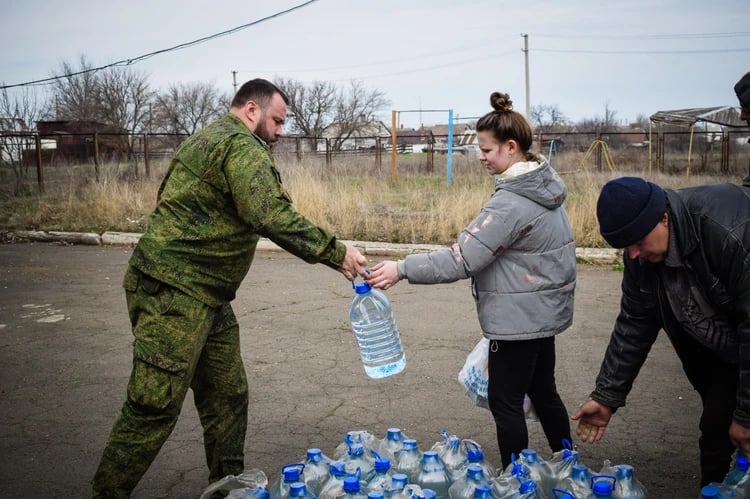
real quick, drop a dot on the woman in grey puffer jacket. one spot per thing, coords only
(520, 253)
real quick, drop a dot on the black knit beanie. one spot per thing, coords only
(628, 209)
(742, 89)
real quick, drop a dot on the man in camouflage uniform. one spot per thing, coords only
(221, 193)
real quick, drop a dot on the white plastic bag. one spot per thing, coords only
(474, 377)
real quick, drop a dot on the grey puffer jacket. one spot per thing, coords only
(520, 254)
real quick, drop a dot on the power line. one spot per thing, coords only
(673, 36)
(642, 52)
(128, 62)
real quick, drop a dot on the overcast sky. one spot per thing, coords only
(635, 57)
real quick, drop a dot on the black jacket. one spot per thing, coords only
(711, 227)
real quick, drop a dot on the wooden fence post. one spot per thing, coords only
(39, 173)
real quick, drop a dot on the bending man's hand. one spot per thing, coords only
(740, 436)
(383, 275)
(592, 420)
(354, 264)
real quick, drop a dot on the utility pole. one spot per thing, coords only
(526, 63)
(234, 80)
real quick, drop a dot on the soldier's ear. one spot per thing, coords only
(252, 111)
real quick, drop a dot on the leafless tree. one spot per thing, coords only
(76, 91)
(186, 108)
(18, 114)
(323, 109)
(547, 117)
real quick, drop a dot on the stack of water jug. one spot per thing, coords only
(735, 485)
(394, 467)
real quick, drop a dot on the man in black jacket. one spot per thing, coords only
(742, 90)
(687, 271)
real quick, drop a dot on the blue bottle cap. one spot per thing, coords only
(410, 444)
(362, 288)
(291, 475)
(400, 480)
(482, 491)
(742, 463)
(527, 487)
(382, 464)
(602, 488)
(338, 469)
(297, 489)
(314, 454)
(375, 494)
(710, 491)
(474, 471)
(429, 494)
(351, 484)
(624, 471)
(474, 455)
(394, 434)
(261, 493)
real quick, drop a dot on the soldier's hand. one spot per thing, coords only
(355, 264)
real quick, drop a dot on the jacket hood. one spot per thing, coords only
(542, 185)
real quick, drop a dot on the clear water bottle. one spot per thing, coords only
(718, 491)
(317, 468)
(333, 487)
(298, 490)
(248, 493)
(357, 458)
(248, 481)
(399, 481)
(737, 471)
(538, 470)
(375, 331)
(482, 492)
(389, 445)
(627, 485)
(290, 473)
(433, 475)
(452, 455)
(408, 460)
(578, 482)
(352, 488)
(475, 455)
(464, 487)
(380, 478)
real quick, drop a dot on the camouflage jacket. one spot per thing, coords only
(221, 194)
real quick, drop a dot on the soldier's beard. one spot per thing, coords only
(262, 132)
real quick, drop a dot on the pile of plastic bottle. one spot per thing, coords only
(395, 467)
(735, 485)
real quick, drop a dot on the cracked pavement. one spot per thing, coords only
(65, 360)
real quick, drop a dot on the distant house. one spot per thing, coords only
(410, 140)
(74, 140)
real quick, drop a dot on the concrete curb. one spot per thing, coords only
(584, 255)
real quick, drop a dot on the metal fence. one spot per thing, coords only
(675, 152)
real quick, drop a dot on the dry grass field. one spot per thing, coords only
(352, 196)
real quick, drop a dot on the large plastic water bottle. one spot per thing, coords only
(464, 487)
(317, 468)
(252, 482)
(357, 458)
(475, 455)
(298, 490)
(380, 478)
(578, 482)
(399, 481)
(376, 333)
(290, 473)
(539, 471)
(452, 455)
(352, 488)
(627, 485)
(738, 470)
(433, 475)
(333, 487)
(389, 445)
(408, 460)
(718, 491)
(248, 493)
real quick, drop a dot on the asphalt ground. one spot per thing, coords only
(65, 357)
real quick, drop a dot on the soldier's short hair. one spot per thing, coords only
(258, 90)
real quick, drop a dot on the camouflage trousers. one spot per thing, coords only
(180, 343)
